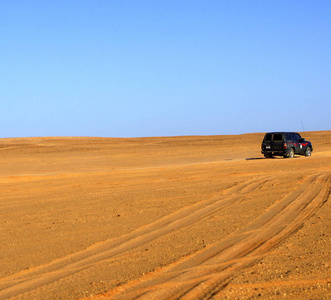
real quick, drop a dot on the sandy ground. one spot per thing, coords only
(163, 218)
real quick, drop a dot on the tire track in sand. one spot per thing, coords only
(204, 274)
(113, 249)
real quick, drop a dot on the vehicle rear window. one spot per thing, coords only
(268, 137)
(278, 137)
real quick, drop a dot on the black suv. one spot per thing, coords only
(285, 144)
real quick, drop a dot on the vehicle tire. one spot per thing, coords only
(267, 155)
(308, 152)
(291, 154)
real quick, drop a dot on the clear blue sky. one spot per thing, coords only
(118, 68)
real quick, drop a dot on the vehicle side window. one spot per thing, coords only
(278, 137)
(297, 136)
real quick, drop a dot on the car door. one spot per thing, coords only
(296, 143)
(266, 144)
(277, 143)
(296, 140)
(302, 144)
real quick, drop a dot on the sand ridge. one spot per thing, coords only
(166, 218)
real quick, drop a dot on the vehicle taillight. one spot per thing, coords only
(285, 146)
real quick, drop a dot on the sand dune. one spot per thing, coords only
(163, 218)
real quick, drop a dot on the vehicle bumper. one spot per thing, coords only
(276, 153)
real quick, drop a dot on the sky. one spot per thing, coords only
(113, 68)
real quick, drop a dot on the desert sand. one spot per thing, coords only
(197, 217)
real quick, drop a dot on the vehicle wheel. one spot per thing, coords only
(308, 152)
(291, 154)
(267, 155)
